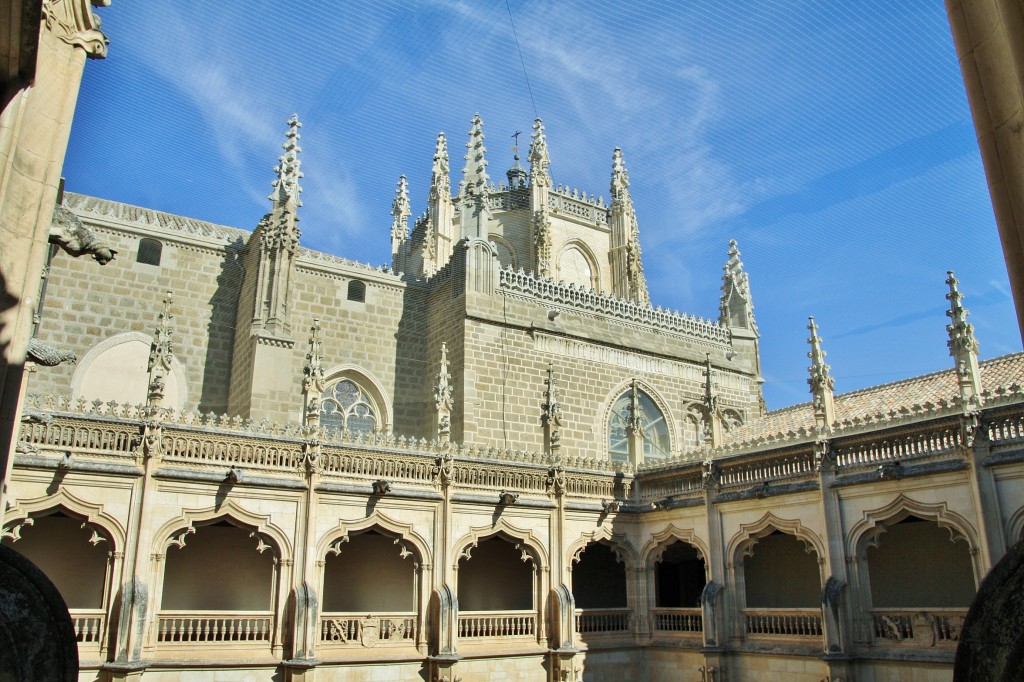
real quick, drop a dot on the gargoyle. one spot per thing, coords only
(68, 232)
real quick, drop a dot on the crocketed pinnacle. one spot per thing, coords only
(819, 369)
(620, 178)
(539, 158)
(400, 212)
(736, 308)
(961, 332)
(474, 174)
(439, 178)
(313, 383)
(286, 184)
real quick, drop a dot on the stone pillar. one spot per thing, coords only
(989, 38)
(38, 106)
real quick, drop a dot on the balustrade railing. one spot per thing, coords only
(917, 627)
(603, 620)
(351, 628)
(783, 622)
(197, 626)
(678, 619)
(90, 625)
(480, 624)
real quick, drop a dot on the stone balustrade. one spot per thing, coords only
(489, 624)
(90, 625)
(204, 626)
(782, 622)
(678, 620)
(603, 620)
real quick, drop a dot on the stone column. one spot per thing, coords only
(989, 38)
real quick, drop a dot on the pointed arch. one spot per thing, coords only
(873, 523)
(742, 543)
(116, 369)
(380, 400)
(619, 543)
(177, 529)
(567, 252)
(659, 402)
(525, 541)
(660, 541)
(385, 525)
(1015, 528)
(24, 510)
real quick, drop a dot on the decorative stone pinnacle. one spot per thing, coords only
(620, 178)
(400, 212)
(539, 159)
(439, 178)
(475, 180)
(736, 308)
(636, 412)
(552, 408)
(443, 387)
(961, 332)
(286, 185)
(313, 382)
(819, 369)
(161, 353)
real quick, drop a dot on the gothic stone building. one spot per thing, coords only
(493, 460)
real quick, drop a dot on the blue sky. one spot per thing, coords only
(833, 140)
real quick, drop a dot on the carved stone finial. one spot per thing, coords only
(439, 175)
(475, 180)
(400, 212)
(821, 382)
(286, 184)
(710, 412)
(551, 415)
(736, 308)
(443, 401)
(161, 354)
(539, 158)
(313, 381)
(963, 347)
(628, 280)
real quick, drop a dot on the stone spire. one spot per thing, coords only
(540, 185)
(712, 415)
(278, 233)
(286, 185)
(474, 188)
(313, 382)
(963, 346)
(628, 281)
(821, 382)
(736, 308)
(551, 417)
(161, 354)
(400, 212)
(443, 401)
(438, 231)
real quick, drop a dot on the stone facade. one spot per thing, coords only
(494, 460)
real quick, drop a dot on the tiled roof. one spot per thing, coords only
(879, 400)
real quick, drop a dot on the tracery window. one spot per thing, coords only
(347, 406)
(653, 427)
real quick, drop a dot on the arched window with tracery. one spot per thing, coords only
(654, 430)
(349, 406)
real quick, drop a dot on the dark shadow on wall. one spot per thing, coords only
(221, 332)
(413, 379)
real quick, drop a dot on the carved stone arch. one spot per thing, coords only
(502, 243)
(176, 531)
(525, 540)
(1015, 528)
(660, 541)
(401, 532)
(365, 380)
(654, 395)
(121, 373)
(874, 522)
(731, 419)
(743, 542)
(94, 516)
(588, 255)
(619, 543)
